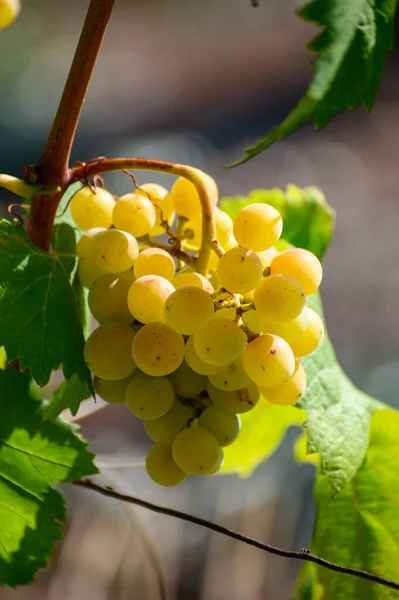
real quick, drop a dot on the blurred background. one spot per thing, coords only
(194, 81)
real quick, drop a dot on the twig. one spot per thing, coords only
(304, 554)
(173, 250)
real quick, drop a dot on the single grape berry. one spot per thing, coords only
(219, 341)
(161, 467)
(92, 208)
(154, 261)
(239, 270)
(157, 349)
(279, 299)
(269, 360)
(135, 214)
(149, 397)
(301, 265)
(258, 227)
(289, 392)
(187, 308)
(107, 351)
(195, 450)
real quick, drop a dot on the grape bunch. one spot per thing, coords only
(187, 352)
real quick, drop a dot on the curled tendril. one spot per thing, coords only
(11, 211)
(85, 166)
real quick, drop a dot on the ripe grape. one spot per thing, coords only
(229, 313)
(161, 467)
(239, 402)
(134, 213)
(266, 256)
(312, 337)
(279, 299)
(114, 251)
(252, 320)
(289, 392)
(224, 227)
(217, 465)
(163, 205)
(269, 360)
(108, 298)
(149, 397)
(187, 383)
(258, 226)
(157, 349)
(233, 377)
(224, 424)
(192, 230)
(190, 277)
(9, 11)
(214, 262)
(83, 247)
(239, 270)
(185, 196)
(147, 296)
(88, 272)
(290, 331)
(89, 209)
(155, 261)
(194, 361)
(165, 428)
(187, 308)
(107, 351)
(195, 450)
(301, 265)
(112, 391)
(219, 341)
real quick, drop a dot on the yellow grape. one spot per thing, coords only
(134, 213)
(187, 308)
(217, 465)
(301, 265)
(89, 209)
(224, 230)
(239, 270)
(269, 360)
(107, 351)
(289, 392)
(190, 277)
(114, 250)
(88, 272)
(165, 428)
(149, 397)
(195, 450)
(239, 401)
(163, 205)
(224, 424)
(83, 247)
(252, 321)
(157, 349)
(229, 313)
(258, 227)
(312, 337)
(266, 256)
(155, 261)
(224, 227)
(194, 361)
(233, 377)
(290, 331)
(185, 196)
(214, 262)
(113, 392)
(192, 234)
(147, 296)
(161, 467)
(108, 298)
(9, 11)
(219, 341)
(279, 299)
(187, 383)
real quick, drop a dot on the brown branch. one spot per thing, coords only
(303, 555)
(52, 169)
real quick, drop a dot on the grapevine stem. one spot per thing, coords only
(303, 554)
(173, 250)
(209, 242)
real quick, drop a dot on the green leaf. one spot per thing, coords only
(360, 528)
(308, 219)
(337, 414)
(352, 49)
(33, 457)
(262, 431)
(39, 317)
(308, 587)
(69, 395)
(64, 246)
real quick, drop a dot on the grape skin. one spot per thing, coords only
(108, 298)
(239, 402)
(89, 209)
(155, 261)
(258, 226)
(239, 270)
(232, 378)
(83, 247)
(187, 308)
(195, 450)
(269, 360)
(185, 196)
(113, 392)
(224, 424)
(9, 11)
(312, 337)
(195, 362)
(157, 349)
(290, 331)
(134, 213)
(217, 465)
(279, 299)
(190, 277)
(186, 382)
(107, 351)
(147, 296)
(163, 205)
(219, 341)
(165, 428)
(289, 392)
(161, 467)
(301, 265)
(149, 397)
(88, 272)
(114, 251)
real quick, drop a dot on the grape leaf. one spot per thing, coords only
(69, 395)
(64, 246)
(308, 587)
(39, 317)
(262, 431)
(34, 455)
(308, 219)
(352, 49)
(360, 528)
